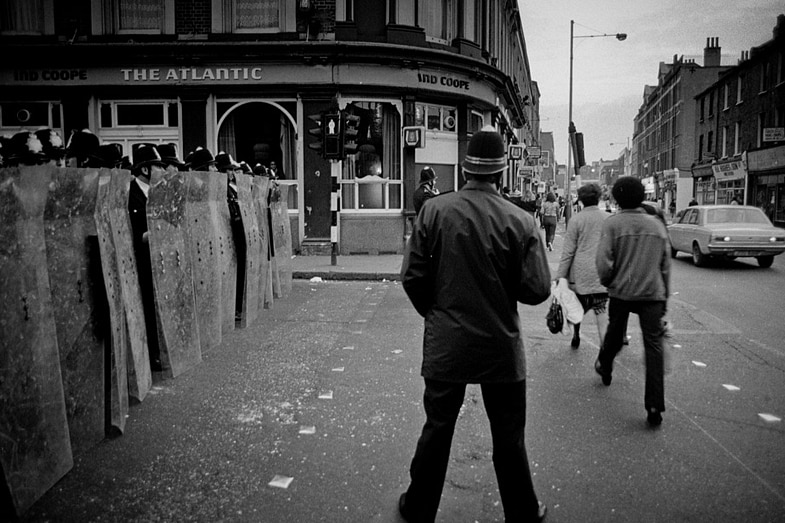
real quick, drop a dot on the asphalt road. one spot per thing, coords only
(313, 415)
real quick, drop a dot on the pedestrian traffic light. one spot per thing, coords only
(351, 128)
(332, 136)
(317, 144)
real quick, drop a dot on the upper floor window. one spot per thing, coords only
(253, 16)
(780, 67)
(711, 104)
(725, 96)
(438, 18)
(739, 85)
(26, 17)
(736, 138)
(133, 17)
(765, 74)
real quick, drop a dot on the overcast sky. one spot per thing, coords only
(608, 75)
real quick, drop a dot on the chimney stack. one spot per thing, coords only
(712, 53)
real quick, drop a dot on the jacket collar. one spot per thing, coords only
(474, 185)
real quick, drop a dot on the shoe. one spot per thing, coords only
(654, 417)
(603, 372)
(576, 342)
(402, 509)
(542, 511)
(625, 340)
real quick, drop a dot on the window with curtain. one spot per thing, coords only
(140, 15)
(439, 19)
(253, 15)
(371, 178)
(22, 16)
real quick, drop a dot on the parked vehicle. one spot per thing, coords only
(727, 231)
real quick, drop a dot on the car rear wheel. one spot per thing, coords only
(765, 261)
(698, 258)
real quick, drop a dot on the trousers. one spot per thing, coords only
(505, 406)
(650, 315)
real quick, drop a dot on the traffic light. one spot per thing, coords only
(316, 145)
(580, 161)
(332, 137)
(351, 126)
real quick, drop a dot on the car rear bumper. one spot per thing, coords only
(742, 251)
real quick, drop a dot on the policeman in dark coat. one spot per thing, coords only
(426, 189)
(146, 162)
(471, 258)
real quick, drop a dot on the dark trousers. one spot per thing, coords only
(505, 405)
(650, 314)
(550, 228)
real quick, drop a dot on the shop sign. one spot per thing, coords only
(730, 170)
(773, 134)
(670, 175)
(648, 184)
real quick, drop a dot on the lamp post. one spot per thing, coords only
(571, 129)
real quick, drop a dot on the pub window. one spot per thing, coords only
(436, 117)
(371, 176)
(26, 17)
(136, 114)
(133, 17)
(30, 115)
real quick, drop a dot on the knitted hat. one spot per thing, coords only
(485, 154)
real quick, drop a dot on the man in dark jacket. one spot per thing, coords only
(633, 261)
(426, 189)
(471, 258)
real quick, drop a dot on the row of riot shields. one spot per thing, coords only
(73, 343)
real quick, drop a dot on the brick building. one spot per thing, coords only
(244, 77)
(740, 131)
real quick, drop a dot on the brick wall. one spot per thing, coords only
(192, 16)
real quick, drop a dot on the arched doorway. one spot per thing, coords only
(260, 132)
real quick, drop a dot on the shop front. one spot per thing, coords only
(767, 182)
(259, 113)
(731, 180)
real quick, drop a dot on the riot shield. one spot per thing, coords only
(79, 302)
(202, 238)
(172, 274)
(250, 302)
(227, 259)
(122, 281)
(282, 241)
(259, 192)
(35, 449)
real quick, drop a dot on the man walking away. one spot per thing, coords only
(633, 261)
(471, 258)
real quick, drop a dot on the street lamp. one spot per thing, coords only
(571, 130)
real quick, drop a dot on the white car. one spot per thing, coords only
(727, 231)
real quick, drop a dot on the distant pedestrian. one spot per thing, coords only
(578, 257)
(672, 208)
(693, 203)
(469, 261)
(550, 217)
(426, 188)
(633, 261)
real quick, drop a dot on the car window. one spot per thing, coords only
(736, 216)
(693, 217)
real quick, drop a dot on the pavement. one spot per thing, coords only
(313, 412)
(356, 267)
